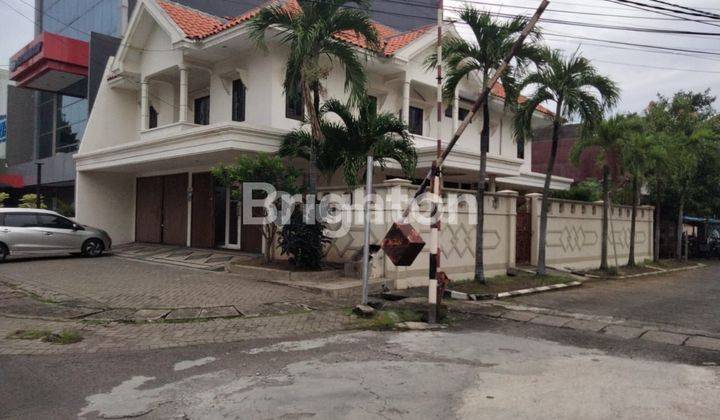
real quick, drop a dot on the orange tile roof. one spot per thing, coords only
(194, 23)
(198, 25)
(499, 91)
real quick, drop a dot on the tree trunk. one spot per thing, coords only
(633, 220)
(678, 246)
(656, 235)
(317, 135)
(605, 216)
(541, 269)
(479, 234)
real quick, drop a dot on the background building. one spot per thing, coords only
(55, 79)
(58, 74)
(3, 113)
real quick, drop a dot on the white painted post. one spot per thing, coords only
(188, 239)
(182, 115)
(366, 240)
(455, 111)
(406, 100)
(144, 105)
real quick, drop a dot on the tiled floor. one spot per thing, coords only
(204, 259)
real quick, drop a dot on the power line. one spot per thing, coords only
(679, 6)
(700, 14)
(652, 47)
(666, 14)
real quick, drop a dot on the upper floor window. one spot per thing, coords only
(415, 120)
(153, 120)
(462, 112)
(202, 110)
(238, 100)
(61, 123)
(521, 149)
(294, 105)
(373, 101)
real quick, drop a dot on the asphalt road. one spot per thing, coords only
(483, 368)
(689, 299)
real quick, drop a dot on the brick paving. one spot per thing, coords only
(119, 336)
(112, 282)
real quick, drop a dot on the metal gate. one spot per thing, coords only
(523, 234)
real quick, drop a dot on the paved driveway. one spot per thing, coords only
(689, 299)
(121, 283)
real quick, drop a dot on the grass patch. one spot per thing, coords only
(673, 263)
(63, 337)
(623, 271)
(386, 320)
(505, 283)
(29, 334)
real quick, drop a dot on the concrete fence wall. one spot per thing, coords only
(574, 231)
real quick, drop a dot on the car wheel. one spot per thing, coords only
(93, 248)
(3, 252)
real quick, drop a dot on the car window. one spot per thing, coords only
(54, 222)
(21, 220)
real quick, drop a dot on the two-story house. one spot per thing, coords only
(188, 90)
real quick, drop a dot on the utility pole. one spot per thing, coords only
(38, 200)
(434, 287)
(366, 240)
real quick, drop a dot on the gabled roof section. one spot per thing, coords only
(194, 23)
(199, 25)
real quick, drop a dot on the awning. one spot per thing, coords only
(52, 63)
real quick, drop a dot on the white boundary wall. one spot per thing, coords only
(575, 231)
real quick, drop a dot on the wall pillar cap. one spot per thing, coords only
(534, 195)
(508, 192)
(397, 181)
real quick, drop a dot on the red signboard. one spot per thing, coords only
(50, 62)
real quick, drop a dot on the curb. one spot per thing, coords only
(660, 270)
(451, 294)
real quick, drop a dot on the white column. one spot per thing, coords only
(491, 184)
(144, 105)
(189, 210)
(182, 115)
(455, 111)
(406, 101)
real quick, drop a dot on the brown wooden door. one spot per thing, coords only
(203, 211)
(251, 235)
(174, 221)
(523, 234)
(148, 209)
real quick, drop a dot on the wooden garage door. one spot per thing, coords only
(203, 211)
(174, 221)
(148, 214)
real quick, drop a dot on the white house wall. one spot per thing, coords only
(107, 201)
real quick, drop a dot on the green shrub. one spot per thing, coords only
(589, 190)
(304, 243)
(29, 201)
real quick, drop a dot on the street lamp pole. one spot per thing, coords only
(38, 200)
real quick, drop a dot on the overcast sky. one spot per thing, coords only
(639, 84)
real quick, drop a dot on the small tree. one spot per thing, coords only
(3, 196)
(348, 143)
(260, 168)
(303, 242)
(29, 201)
(577, 90)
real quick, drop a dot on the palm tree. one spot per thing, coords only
(463, 59)
(311, 35)
(578, 90)
(638, 152)
(347, 144)
(605, 138)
